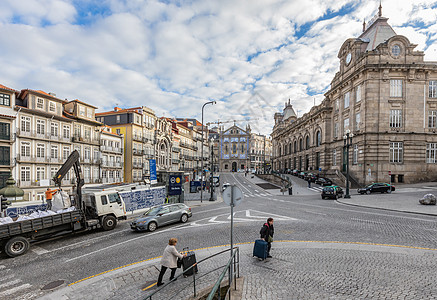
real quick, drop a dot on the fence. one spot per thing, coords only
(232, 267)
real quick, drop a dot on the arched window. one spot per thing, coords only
(300, 144)
(295, 146)
(318, 138)
(289, 148)
(279, 150)
(307, 142)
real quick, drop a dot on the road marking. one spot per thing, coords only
(127, 241)
(15, 289)
(10, 283)
(311, 212)
(152, 285)
(39, 250)
(367, 221)
(3, 278)
(251, 242)
(357, 211)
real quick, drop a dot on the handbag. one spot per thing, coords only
(269, 239)
(179, 263)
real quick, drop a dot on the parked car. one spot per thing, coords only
(377, 188)
(314, 177)
(332, 192)
(302, 175)
(295, 172)
(161, 215)
(324, 181)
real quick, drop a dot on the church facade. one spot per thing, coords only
(384, 98)
(234, 149)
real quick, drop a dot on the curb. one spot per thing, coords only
(387, 209)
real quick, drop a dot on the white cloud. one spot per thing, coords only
(174, 57)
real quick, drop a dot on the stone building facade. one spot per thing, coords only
(260, 152)
(385, 95)
(234, 149)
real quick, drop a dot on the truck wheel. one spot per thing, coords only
(184, 218)
(17, 246)
(152, 226)
(109, 223)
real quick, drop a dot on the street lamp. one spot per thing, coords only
(201, 164)
(211, 186)
(347, 138)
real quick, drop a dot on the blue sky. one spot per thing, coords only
(250, 56)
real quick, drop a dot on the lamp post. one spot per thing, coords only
(201, 164)
(347, 138)
(211, 186)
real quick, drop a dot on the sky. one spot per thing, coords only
(250, 56)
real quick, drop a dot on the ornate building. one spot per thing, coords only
(385, 95)
(234, 149)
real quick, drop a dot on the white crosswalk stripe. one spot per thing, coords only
(10, 285)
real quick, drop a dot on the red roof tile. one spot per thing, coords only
(6, 88)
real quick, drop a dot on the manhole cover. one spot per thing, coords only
(53, 285)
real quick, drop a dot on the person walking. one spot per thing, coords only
(169, 260)
(267, 232)
(309, 183)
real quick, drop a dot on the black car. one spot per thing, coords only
(377, 188)
(295, 172)
(324, 181)
(332, 192)
(314, 177)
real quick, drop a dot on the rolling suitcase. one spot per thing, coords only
(187, 262)
(260, 249)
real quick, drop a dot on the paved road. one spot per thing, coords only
(304, 218)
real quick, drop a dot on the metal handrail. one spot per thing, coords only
(149, 297)
(228, 268)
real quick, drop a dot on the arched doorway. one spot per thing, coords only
(234, 166)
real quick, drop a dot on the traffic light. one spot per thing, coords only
(5, 203)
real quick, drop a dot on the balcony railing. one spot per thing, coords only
(137, 151)
(176, 149)
(137, 138)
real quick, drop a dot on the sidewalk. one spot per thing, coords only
(396, 201)
(282, 277)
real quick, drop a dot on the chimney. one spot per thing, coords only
(364, 25)
(117, 108)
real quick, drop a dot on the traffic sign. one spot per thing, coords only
(389, 172)
(232, 195)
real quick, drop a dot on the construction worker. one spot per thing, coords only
(49, 197)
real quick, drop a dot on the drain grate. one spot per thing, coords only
(53, 285)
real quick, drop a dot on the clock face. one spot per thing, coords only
(348, 58)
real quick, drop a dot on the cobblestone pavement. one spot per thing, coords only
(298, 270)
(334, 253)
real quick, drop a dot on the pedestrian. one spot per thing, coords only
(309, 182)
(49, 197)
(267, 232)
(169, 260)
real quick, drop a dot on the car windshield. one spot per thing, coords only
(153, 211)
(369, 185)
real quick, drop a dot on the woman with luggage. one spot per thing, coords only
(169, 260)
(267, 232)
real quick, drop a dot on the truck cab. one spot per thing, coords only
(105, 206)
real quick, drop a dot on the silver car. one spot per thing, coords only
(161, 215)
